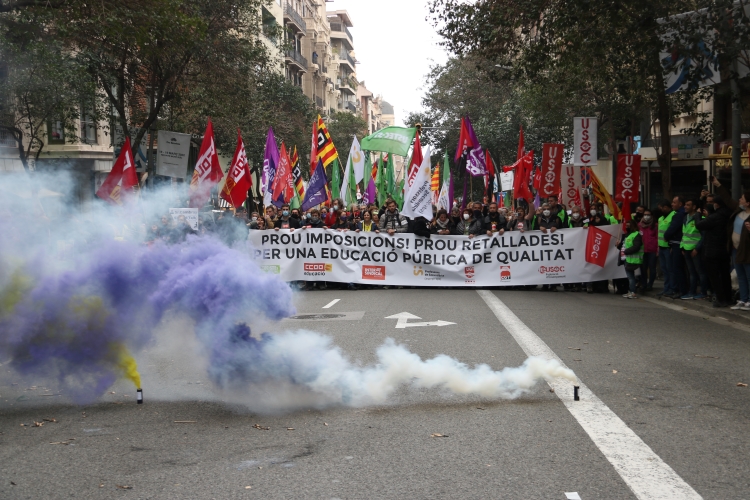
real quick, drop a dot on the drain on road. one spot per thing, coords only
(312, 317)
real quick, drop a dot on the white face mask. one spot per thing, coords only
(576, 215)
(254, 219)
(335, 207)
(646, 218)
(466, 216)
(592, 212)
(546, 213)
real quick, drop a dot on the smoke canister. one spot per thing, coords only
(576, 397)
(139, 396)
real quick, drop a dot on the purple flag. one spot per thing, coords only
(316, 189)
(369, 196)
(476, 164)
(270, 160)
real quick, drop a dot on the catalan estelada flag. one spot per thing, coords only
(326, 150)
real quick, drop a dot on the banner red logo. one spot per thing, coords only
(373, 272)
(505, 273)
(597, 246)
(551, 163)
(628, 181)
(469, 272)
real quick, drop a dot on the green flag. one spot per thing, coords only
(394, 140)
(351, 194)
(295, 203)
(390, 177)
(335, 179)
(398, 196)
(380, 182)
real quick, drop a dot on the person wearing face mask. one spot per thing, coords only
(544, 221)
(638, 214)
(631, 255)
(442, 225)
(253, 222)
(468, 226)
(665, 254)
(494, 222)
(690, 246)
(518, 221)
(333, 214)
(715, 253)
(285, 221)
(315, 221)
(455, 216)
(650, 234)
(577, 219)
(478, 212)
(558, 211)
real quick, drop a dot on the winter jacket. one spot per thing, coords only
(541, 221)
(449, 226)
(395, 221)
(290, 223)
(714, 231)
(513, 224)
(650, 236)
(498, 219)
(475, 227)
(420, 226)
(637, 243)
(315, 225)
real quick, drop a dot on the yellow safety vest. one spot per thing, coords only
(664, 222)
(690, 234)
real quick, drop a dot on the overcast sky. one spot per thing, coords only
(396, 47)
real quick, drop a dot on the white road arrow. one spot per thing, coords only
(404, 317)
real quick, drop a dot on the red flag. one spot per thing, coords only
(597, 246)
(283, 184)
(464, 140)
(238, 181)
(627, 185)
(416, 161)
(550, 171)
(537, 178)
(521, 146)
(490, 163)
(521, 180)
(120, 181)
(207, 170)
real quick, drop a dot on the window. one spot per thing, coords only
(88, 124)
(56, 132)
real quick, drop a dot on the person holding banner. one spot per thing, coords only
(577, 219)
(392, 221)
(518, 221)
(442, 224)
(495, 222)
(631, 254)
(367, 225)
(558, 211)
(544, 220)
(469, 226)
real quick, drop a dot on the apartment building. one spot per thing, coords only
(342, 47)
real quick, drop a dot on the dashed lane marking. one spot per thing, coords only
(331, 304)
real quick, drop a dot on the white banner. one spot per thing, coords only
(191, 216)
(515, 258)
(172, 154)
(584, 142)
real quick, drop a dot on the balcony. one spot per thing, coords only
(341, 32)
(319, 102)
(350, 107)
(295, 58)
(294, 19)
(344, 56)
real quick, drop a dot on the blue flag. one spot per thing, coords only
(316, 189)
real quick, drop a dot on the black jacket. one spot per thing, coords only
(434, 228)
(498, 219)
(714, 230)
(419, 226)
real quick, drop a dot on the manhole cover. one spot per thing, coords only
(317, 316)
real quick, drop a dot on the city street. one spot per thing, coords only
(661, 413)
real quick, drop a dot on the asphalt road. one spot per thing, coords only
(670, 377)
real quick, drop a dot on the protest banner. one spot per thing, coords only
(191, 216)
(514, 258)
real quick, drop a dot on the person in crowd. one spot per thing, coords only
(715, 252)
(367, 225)
(650, 234)
(558, 210)
(665, 254)
(741, 250)
(337, 220)
(324, 213)
(544, 221)
(382, 210)
(420, 226)
(253, 222)
(181, 230)
(478, 211)
(263, 224)
(631, 255)
(494, 222)
(689, 245)
(639, 211)
(153, 235)
(576, 218)
(285, 220)
(518, 221)
(315, 221)
(392, 221)
(469, 225)
(375, 217)
(442, 225)
(455, 215)
(166, 228)
(270, 213)
(673, 235)
(337, 205)
(296, 215)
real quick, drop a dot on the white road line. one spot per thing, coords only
(331, 304)
(647, 475)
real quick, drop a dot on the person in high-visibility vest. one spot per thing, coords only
(673, 235)
(691, 239)
(631, 255)
(665, 257)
